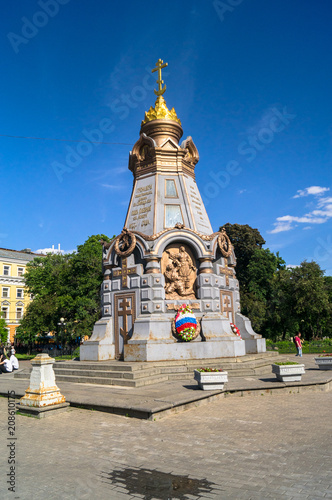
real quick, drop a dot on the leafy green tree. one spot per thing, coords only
(311, 298)
(257, 294)
(256, 268)
(245, 241)
(64, 286)
(3, 330)
(37, 320)
(327, 327)
(281, 320)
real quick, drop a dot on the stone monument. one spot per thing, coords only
(168, 255)
(43, 397)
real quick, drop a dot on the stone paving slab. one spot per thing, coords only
(234, 448)
(157, 400)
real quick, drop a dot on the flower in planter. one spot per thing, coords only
(325, 355)
(185, 323)
(208, 370)
(283, 363)
(236, 330)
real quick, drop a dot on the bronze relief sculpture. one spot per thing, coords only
(180, 273)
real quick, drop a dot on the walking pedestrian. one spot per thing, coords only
(298, 343)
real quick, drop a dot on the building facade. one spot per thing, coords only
(14, 297)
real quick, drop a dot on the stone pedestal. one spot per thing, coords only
(100, 346)
(253, 341)
(42, 394)
(153, 340)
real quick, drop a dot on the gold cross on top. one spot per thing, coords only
(160, 64)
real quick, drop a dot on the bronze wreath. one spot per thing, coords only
(124, 238)
(225, 244)
(197, 331)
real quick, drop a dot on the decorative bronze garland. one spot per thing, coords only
(125, 238)
(153, 237)
(224, 244)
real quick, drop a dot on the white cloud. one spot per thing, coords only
(307, 219)
(314, 190)
(281, 227)
(321, 213)
(111, 186)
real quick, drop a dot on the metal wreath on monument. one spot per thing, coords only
(185, 326)
(125, 243)
(224, 244)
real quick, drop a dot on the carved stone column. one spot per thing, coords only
(205, 265)
(153, 265)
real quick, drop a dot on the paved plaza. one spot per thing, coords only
(234, 448)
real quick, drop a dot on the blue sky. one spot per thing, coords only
(250, 81)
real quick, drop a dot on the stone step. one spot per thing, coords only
(119, 381)
(60, 371)
(25, 373)
(99, 365)
(231, 373)
(140, 374)
(259, 357)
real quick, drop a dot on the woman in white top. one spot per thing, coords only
(5, 365)
(14, 361)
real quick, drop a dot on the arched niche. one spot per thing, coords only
(179, 267)
(190, 239)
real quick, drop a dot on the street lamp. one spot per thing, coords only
(62, 324)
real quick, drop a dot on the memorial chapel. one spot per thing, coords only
(167, 256)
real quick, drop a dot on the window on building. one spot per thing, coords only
(19, 312)
(4, 311)
(20, 271)
(170, 189)
(173, 215)
(5, 292)
(19, 293)
(6, 270)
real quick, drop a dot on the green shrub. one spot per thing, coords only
(282, 363)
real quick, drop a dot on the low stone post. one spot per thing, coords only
(43, 396)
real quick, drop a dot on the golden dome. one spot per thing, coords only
(160, 112)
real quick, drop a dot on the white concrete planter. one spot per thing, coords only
(324, 363)
(288, 373)
(211, 381)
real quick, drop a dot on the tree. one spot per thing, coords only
(255, 270)
(281, 320)
(65, 286)
(311, 298)
(327, 326)
(257, 294)
(3, 330)
(245, 241)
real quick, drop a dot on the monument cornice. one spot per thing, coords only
(162, 161)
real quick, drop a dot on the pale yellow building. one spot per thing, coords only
(13, 295)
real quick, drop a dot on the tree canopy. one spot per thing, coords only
(3, 330)
(280, 301)
(64, 286)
